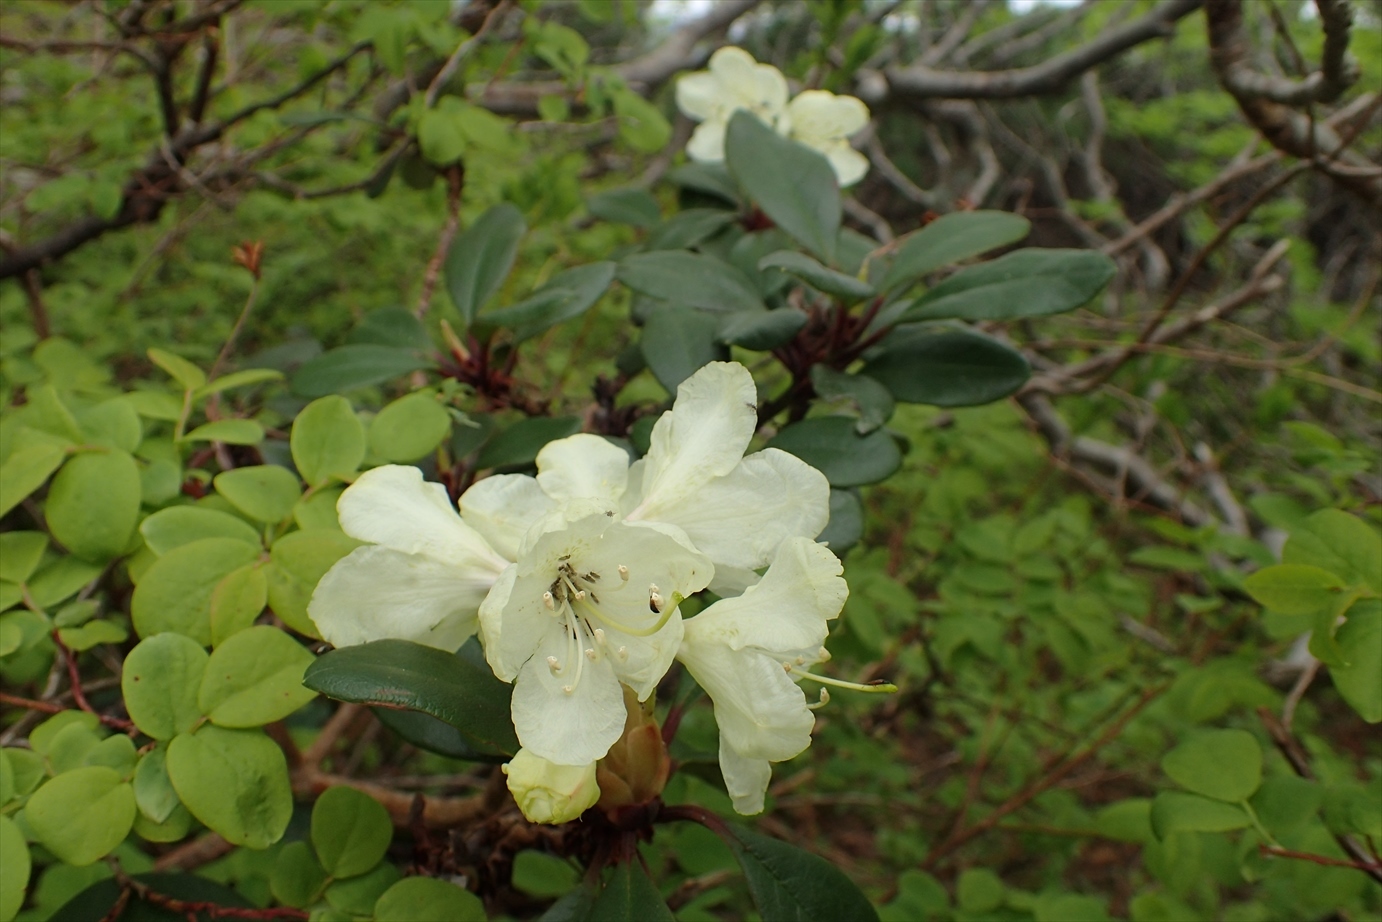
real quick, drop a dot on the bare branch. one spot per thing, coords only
(1338, 70)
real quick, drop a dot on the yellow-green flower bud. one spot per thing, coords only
(551, 793)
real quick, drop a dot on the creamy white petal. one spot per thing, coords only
(707, 144)
(393, 506)
(515, 621)
(376, 593)
(700, 96)
(491, 616)
(760, 711)
(740, 519)
(568, 729)
(849, 165)
(746, 779)
(702, 437)
(760, 88)
(732, 581)
(786, 612)
(503, 507)
(583, 467)
(818, 116)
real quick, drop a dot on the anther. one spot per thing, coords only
(590, 654)
(554, 664)
(622, 653)
(580, 594)
(568, 688)
(801, 661)
(623, 573)
(655, 602)
(600, 636)
(787, 668)
(823, 656)
(547, 600)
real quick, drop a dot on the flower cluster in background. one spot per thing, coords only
(819, 119)
(573, 580)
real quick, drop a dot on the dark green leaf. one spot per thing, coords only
(629, 896)
(480, 259)
(566, 296)
(846, 287)
(97, 900)
(690, 280)
(832, 445)
(846, 525)
(875, 402)
(518, 445)
(688, 228)
(427, 732)
(947, 368)
(677, 341)
(573, 907)
(791, 885)
(794, 185)
(390, 326)
(761, 330)
(951, 238)
(400, 674)
(708, 179)
(351, 367)
(1027, 283)
(625, 206)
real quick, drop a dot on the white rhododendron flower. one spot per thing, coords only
(748, 653)
(734, 81)
(551, 793)
(824, 122)
(421, 578)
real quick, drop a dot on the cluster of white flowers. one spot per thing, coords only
(573, 580)
(734, 81)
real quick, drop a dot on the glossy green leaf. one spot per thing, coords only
(159, 681)
(153, 791)
(833, 446)
(761, 330)
(1027, 283)
(400, 674)
(15, 866)
(230, 431)
(947, 368)
(427, 732)
(480, 259)
(1222, 764)
(949, 239)
(791, 885)
(297, 878)
(176, 526)
(178, 368)
(629, 896)
(846, 525)
(93, 504)
(427, 899)
(350, 368)
(566, 296)
(300, 560)
(351, 831)
(1293, 588)
(519, 444)
(677, 341)
(328, 440)
(793, 184)
(26, 469)
(237, 601)
(845, 287)
(234, 781)
(689, 279)
(175, 593)
(690, 227)
(264, 492)
(81, 815)
(253, 678)
(1176, 811)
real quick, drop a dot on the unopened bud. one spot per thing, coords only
(635, 769)
(550, 793)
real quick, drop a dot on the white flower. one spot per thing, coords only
(824, 122)
(734, 81)
(747, 653)
(423, 576)
(550, 793)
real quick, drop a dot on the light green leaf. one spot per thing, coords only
(236, 601)
(92, 634)
(175, 593)
(26, 469)
(426, 899)
(253, 678)
(178, 368)
(93, 504)
(159, 681)
(174, 527)
(15, 865)
(265, 492)
(113, 423)
(1293, 588)
(230, 431)
(328, 440)
(1359, 680)
(409, 428)
(357, 895)
(234, 781)
(20, 552)
(153, 791)
(1175, 811)
(1343, 544)
(81, 815)
(246, 378)
(297, 879)
(1222, 764)
(300, 560)
(351, 831)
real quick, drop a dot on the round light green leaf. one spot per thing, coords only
(351, 831)
(60, 580)
(230, 431)
(951, 238)
(25, 770)
(69, 747)
(409, 428)
(1338, 542)
(1293, 588)
(318, 510)
(26, 469)
(235, 782)
(793, 184)
(1176, 811)
(173, 829)
(182, 371)
(92, 634)
(328, 440)
(20, 553)
(979, 890)
(426, 899)
(677, 341)
(358, 895)
(237, 601)
(265, 492)
(480, 258)
(14, 869)
(153, 791)
(352, 367)
(254, 678)
(160, 682)
(114, 752)
(171, 528)
(948, 368)
(519, 444)
(300, 560)
(689, 279)
(175, 593)
(1222, 764)
(297, 879)
(1068, 907)
(113, 423)
(45, 734)
(833, 446)
(156, 405)
(793, 885)
(1027, 283)
(93, 504)
(81, 815)
(1359, 680)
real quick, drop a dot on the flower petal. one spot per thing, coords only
(700, 96)
(514, 621)
(393, 506)
(702, 437)
(849, 165)
(745, 83)
(818, 116)
(375, 592)
(503, 507)
(739, 520)
(707, 144)
(746, 779)
(568, 729)
(760, 711)
(583, 467)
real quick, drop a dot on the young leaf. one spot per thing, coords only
(949, 239)
(794, 185)
(182, 371)
(93, 504)
(480, 259)
(254, 678)
(159, 681)
(81, 815)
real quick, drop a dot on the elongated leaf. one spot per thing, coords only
(846, 287)
(947, 368)
(350, 367)
(480, 259)
(400, 674)
(629, 896)
(230, 431)
(833, 446)
(246, 378)
(761, 330)
(951, 238)
(677, 341)
(794, 185)
(566, 296)
(1027, 283)
(625, 206)
(690, 280)
(1360, 680)
(25, 470)
(182, 371)
(1175, 811)
(519, 444)
(1338, 542)
(791, 885)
